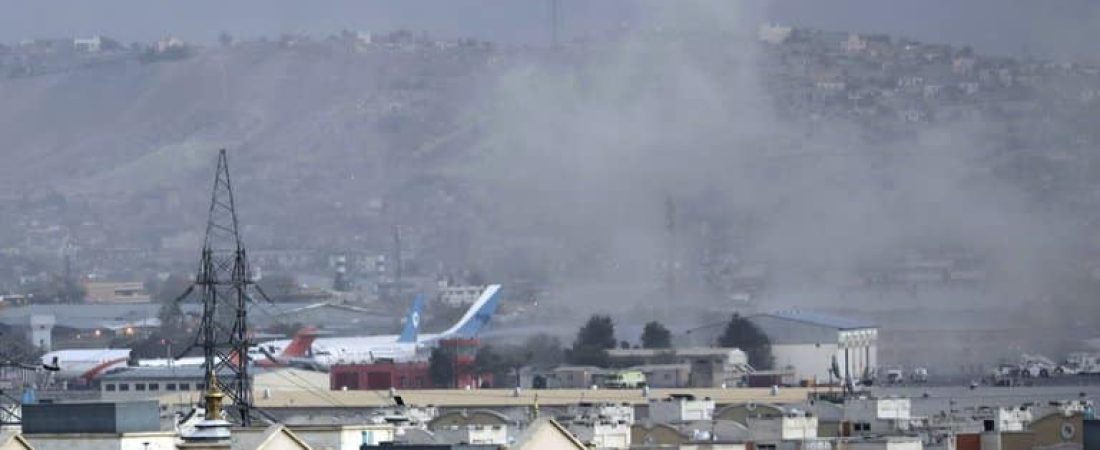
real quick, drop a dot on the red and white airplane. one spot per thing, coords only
(89, 364)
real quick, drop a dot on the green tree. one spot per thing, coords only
(441, 367)
(593, 341)
(656, 335)
(745, 335)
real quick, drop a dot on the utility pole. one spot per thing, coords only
(223, 281)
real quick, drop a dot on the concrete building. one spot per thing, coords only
(186, 383)
(789, 426)
(574, 377)
(881, 443)
(151, 440)
(96, 426)
(344, 436)
(599, 433)
(546, 434)
(116, 292)
(473, 434)
(615, 412)
(480, 426)
(40, 332)
(665, 375)
(875, 416)
(707, 366)
(274, 437)
(812, 343)
(681, 408)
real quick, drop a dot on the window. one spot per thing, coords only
(123, 387)
(200, 386)
(185, 386)
(170, 386)
(154, 386)
(139, 386)
(110, 387)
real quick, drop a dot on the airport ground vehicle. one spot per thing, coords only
(895, 376)
(626, 379)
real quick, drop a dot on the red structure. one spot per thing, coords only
(384, 375)
(409, 375)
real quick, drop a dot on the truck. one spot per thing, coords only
(625, 379)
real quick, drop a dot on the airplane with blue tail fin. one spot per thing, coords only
(404, 346)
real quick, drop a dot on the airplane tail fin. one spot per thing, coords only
(412, 321)
(299, 346)
(477, 317)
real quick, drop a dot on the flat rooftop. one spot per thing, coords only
(503, 397)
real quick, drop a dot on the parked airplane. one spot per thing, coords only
(402, 347)
(88, 364)
(85, 363)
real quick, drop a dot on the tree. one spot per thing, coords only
(745, 335)
(593, 341)
(441, 367)
(656, 335)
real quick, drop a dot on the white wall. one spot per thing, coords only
(813, 361)
(128, 441)
(602, 435)
(887, 444)
(344, 437)
(809, 361)
(773, 429)
(681, 410)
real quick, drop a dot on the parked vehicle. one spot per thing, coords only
(919, 375)
(626, 379)
(895, 376)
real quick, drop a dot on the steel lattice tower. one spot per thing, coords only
(224, 281)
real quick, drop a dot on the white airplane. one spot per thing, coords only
(400, 347)
(89, 364)
(86, 363)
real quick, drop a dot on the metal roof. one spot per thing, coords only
(821, 319)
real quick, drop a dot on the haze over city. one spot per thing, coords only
(878, 200)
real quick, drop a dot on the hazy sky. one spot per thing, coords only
(1052, 28)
